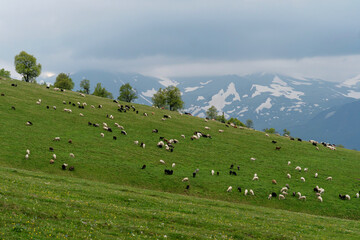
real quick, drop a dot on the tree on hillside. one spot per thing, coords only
(169, 98)
(25, 65)
(127, 93)
(4, 73)
(211, 112)
(85, 85)
(236, 121)
(286, 132)
(221, 118)
(101, 92)
(270, 130)
(64, 81)
(249, 123)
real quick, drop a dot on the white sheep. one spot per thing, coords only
(281, 197)
(72, 155)
(56, 139)
(246, 192)
(317, 148)
(92, 106)
(329, 178)
(102, 134)
(182, 135)
(221, 131)
(185, 179)
(267, 135)
(252, 159)
(229, 189)
(54, 107)
(298, 168)
(136, 142)
(270, 196)
(316, 175)
(162, 161)
(288, 175)
(289, 163)
(81, 94)
(212, 172)
(207, 128)
(173, 165)
(305, 169)
(321, 190)
(299, 194)
(54, 156)
(302, 198)
(255, 178)
(357, 195)
(284, 189)
(347, 197)
(26, 156)
(27, 151)
(251, 192)
(302, 179)
(81, 115)
(320, 198)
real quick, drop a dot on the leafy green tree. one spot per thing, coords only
(211, 112)
(249, 123)
(270, 130)
(169, 98)
(286, 132)
(4, 73)
(236, 121)
(101, 92)
(64, 81)
(25, 65)
(85, 85)
(127, 93)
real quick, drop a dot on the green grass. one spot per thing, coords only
(102, 163)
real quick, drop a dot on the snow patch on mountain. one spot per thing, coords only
(267, 104)
(353, 94)
(231, 111)
(149, 93)
(167, 82)
(190, 89)
(199, 98)
(245, 109)
(301, 83)
(330, 114)
(245, 96)
(277, 89)
(219, 99)
(350, 82)
(204, 83)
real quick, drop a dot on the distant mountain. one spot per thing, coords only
(270, 100)
(339, 125)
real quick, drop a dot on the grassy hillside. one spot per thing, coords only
(116, 164)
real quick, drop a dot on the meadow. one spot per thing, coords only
(110, 196)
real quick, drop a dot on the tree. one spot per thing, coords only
(169, 98)
(85, 85)
(211, 112)
(249, 123)
(127, 93)
(101, 92)
(270, 130)
(4, 73)
(286, 132)
(64, 81)
(25, 65)
(236, 122)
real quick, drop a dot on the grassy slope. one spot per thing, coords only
(118, 162)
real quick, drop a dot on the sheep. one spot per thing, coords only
(160, 144)
(317, 148)
(92, 106)
(27, 151)
(221, 131)
(298, 168)
(252, 159)
(305, 169)
(28, 123)
(212, 172)
(302, 179)
(302, 198)
(173, 165)
(145, 114)
(72, 155)
(187, 187)
(284, 189)
(299, 194)
(284, 193)
(274, 181)
(207, 128)
(111, 117)
(183, 136)
(71, 168)
(229, 189)
(142, 145)
(288, 176)
(274, 194)
(239, 189)
(81, 115)
(64, 166)
(194, 174)
(81, 94)
(347, 197)
(54, 107)
(270, 196)
(123, 132)
(102, 134)
(56, 139)
(251, 192)
(277, 148)
(320, 198)
(143, 167)
(246, 192)
(51, 161)
(289, 163)
(281, 197)
(26, 156)
(357, 195)
(54, 156)
(267, 135)
(329, 178)
(162, 161)
(321, 190)
(255, 178)
(316, 175)
(185, 179)
(136, 142)
(51, 149)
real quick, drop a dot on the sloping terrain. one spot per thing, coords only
(117, 164)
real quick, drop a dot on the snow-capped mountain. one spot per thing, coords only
(270, 100)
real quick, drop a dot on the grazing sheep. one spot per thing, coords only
(136, 142)
(187, 187)
(64, 166)
(229, 189)
(255, 178)
(173, 165)
(81, 115)
(56, 139)
(302, 198)
(102, 134)
(221, 131)
(342, 197)
(317, 148)
(212, 172)
(143, 167)
(251, 192)
(123, 132)
(160, 144)
(70, 141)
(239, 189)
(320, 198)
(185, 179)
(316, 175)
(27, 151)
(54, 107)
(270, 196)
(207, 128)
(305, 169)
(329, 178)
(298, 168)
(357, 195)
(277, 148)
(51, 149)
(246, 192)
(302, 179)
(217, 173)
(288, 176)
(26, 156)
(299, 194)
(281, 197)
(51, 161)
(142, 145)
(162, 161)
(274, 194)
(145, 114)
(287, 186)
(72, 155)
(183, 136)
(28, 123)
(194, 174)
(284, 189)
(252, 159)
(54, 156)
(267, 135)
(13, 108)
(321, 190)
(289, 163)
(81, 94)
(273, 181)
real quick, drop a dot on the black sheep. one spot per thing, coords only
(51, 149)
(217, 173)
(232, 166)
(273, 194)
(114, 137)
(155, 130)
(194, 174)
(273, 141)
(47, 107)
(89, 123)
(239, 189)
(187, 186)
(143, 167)
(64, 166)
(12, 107)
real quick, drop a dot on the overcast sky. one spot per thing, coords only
(185, 37)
